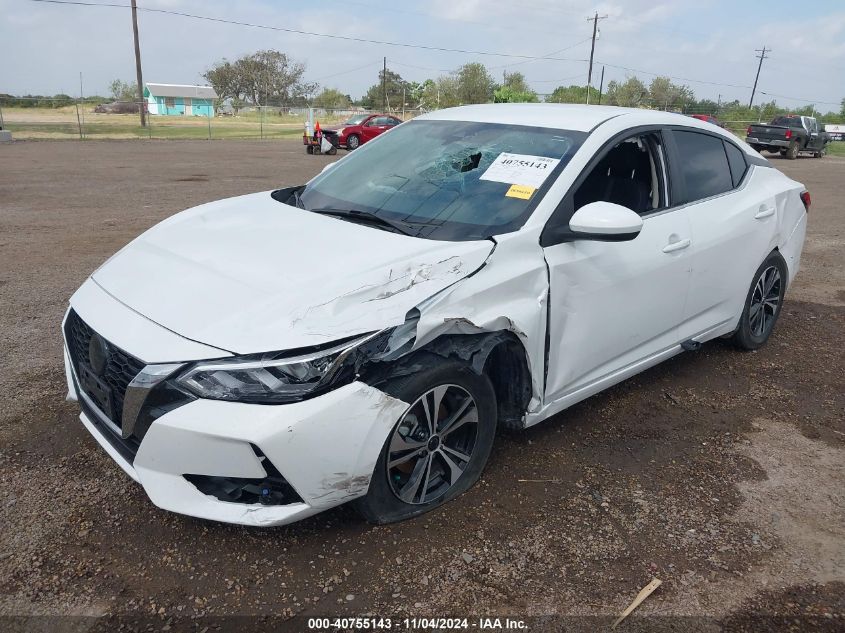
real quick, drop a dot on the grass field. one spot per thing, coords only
(62, 123)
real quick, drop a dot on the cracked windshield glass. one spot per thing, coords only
(449, 180)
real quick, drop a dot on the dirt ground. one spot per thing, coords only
(719, 472)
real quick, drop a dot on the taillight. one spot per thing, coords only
(805, 198)
(748, 131)
(789, 134)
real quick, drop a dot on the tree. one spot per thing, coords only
(568, 94)
(395, 86)
(703, 106)
(514, 89)
(664, 94)
(332, 99)
(475, 85)
(632, 93)
(439, 93)
(516, 82)
(265, 77)
(506, 94)
(122, 91)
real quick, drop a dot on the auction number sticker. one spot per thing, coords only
(520, 169)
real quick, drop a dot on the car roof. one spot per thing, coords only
(581, 118)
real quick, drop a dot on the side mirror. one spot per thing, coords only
(605, 222)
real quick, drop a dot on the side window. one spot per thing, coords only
(704, 164)
(736, 160)
(393, 121)
(631, 174)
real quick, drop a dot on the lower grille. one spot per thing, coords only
(272, 490)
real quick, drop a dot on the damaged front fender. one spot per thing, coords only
(502, 306)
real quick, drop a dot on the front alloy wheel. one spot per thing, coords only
(433, 444)
(439, 447)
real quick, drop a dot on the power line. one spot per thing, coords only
(647, 72)
(810, 101)
(549, 81)
(347, 38)
(346, 72)
(547, 56)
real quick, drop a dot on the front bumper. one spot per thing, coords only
(325, 448)
(766, 142)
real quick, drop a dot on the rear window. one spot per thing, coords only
(736, 160)
(788, 121)
(704, 165)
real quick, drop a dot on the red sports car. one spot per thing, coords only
(361, 128)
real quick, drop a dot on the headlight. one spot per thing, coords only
(269, 378)
(340, 132)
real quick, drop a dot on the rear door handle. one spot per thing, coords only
(764, 212)
(677, 246)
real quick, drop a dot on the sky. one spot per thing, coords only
(707, 44)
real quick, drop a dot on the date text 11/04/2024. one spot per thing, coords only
(425, 624)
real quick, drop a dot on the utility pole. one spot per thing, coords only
(595, 20)
(384, 87)
(761, 56)
(82, 105)
(138, 75)
(601, 84)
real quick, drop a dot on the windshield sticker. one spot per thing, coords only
(520, 191)
(520, 169)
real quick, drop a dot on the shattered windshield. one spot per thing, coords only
(449, 180)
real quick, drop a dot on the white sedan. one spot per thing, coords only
(260, 359)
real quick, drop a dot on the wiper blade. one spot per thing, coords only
(366, 216)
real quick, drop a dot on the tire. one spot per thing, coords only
(415, 451)
(332, 151)
(821, 152)
(792, 151)
(352, 142)
(309, 149)
(767, 291)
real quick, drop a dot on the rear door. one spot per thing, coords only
(733, 225)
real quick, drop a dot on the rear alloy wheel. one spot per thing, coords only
(763, 304)
(792, 151)
(352, 142)
(438, 448)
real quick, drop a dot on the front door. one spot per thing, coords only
(189, 106)
(615, 305)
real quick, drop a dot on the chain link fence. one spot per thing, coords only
(36, 118)
(68, 118)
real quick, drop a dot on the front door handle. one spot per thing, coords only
(764, 212)
(676, 246)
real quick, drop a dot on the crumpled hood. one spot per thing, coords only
(250, 274)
